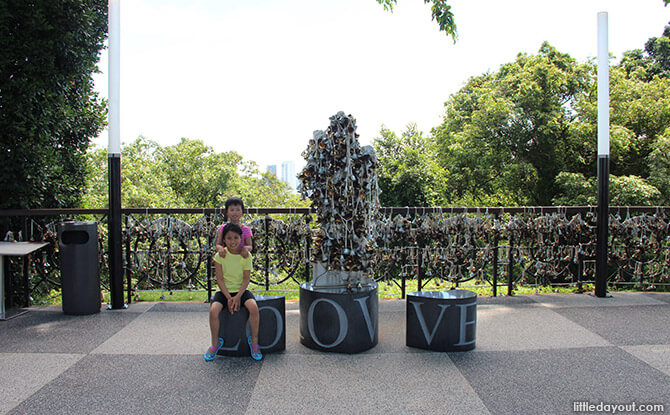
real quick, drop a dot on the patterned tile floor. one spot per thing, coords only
(534, 355)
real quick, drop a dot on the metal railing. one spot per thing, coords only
(498, 247)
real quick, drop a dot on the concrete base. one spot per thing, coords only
(339, 320)
(234, 328)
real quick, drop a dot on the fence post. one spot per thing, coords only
(4, 227)
(641, 269)
(403, 274)
(580, 271)
(127, 268)
(419, 268)
(510, 266)
(168, 267)
(495, 261)
(308, 248)
(267, 252)
(209, 257)
(26, 284)
(26, 266)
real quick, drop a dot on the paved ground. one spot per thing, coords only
(534, 355)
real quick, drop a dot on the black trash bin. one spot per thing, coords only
(80, 278)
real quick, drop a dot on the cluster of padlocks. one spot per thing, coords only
(340, 180)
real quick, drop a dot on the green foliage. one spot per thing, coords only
(145, 178)
(48, 108)
(440, 10)
(265, 189)
(199, 175)
(639, 118)
(575, 189)
(408, 174)
(640, 112)
(623, 191)
(188, 174)
(509, 132)
(642, 108)
(144, 181)
(653, 61)
(527, 135)
(659, 166)
(632, 191)
(97, 179)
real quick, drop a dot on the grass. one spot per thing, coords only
(386, 289)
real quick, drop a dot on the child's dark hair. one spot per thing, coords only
(231, 227)
(233, 201)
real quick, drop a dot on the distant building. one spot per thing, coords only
(288, 174)
(272, 168)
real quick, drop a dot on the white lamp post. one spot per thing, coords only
(114, 158)
(603, 156)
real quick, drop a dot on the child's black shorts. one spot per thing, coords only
(220, 298)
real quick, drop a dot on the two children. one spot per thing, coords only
(233, 265)
(233, 210)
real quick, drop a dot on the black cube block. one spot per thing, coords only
(234, 328)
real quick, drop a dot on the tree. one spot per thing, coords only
(633, 190)
(265, 189)
(442, 14)
(440, 11)
(408, 172)
(200, 176)
(654, 60)
(640, 125)
(188, 174)
(527, 134)
(144, 180)
(659, 166)
(640, 112)
(48, 108)
(508, 133)
(576, 189)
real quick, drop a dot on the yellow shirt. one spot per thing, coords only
(233, 266)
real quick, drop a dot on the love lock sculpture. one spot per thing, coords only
(339, 307)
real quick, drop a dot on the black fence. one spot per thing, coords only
(501, 248)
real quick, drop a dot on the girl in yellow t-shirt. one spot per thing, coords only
(232, 276)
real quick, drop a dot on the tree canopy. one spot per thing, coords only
(48, 107)
(440, 10)
(187, 174)
(654, 60)
(508, 133)
(408, 172)
(527, 135)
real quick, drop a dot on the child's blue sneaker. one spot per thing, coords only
(211, 354)
(255, 353)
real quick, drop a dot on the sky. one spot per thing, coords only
(259, 76)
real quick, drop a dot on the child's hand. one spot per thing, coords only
(234, 304)
(244, 252)
(221, 250)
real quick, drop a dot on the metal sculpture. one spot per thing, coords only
(341, 182)
(339, 308)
